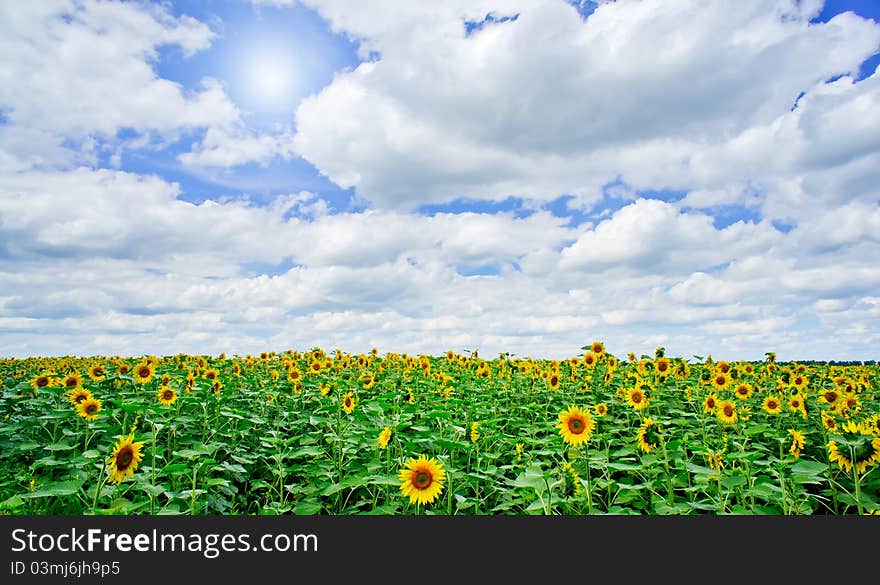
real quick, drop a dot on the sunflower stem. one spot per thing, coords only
(856, 480)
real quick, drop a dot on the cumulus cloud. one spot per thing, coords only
(450, 103)
(549, 104)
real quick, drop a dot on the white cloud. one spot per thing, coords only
(516, 109)
(107, 261)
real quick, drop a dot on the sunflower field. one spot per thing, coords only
(337, 433)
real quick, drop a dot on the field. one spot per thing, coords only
(334, 433)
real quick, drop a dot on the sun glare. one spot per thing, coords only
(270, 77)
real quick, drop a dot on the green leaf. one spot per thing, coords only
(307, 508)
(61, 488)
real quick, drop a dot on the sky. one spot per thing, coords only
(520, 176)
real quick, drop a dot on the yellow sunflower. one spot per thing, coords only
(97, 373)
(143, 372)
(41, 381)
(636, 398)
(772, 405)
(77, 395)
(166, 395)
(89, 408)
(864, 451)
(743, 391)
(648, 436)
(797, 442)
(575, 425)
(797, 404)
(710, 404)
(124, 459)
(726, 412)
(348, 402)
(601, 409)
(720, 380)
(475, 434)
(421, 480)
(384, 437)
(597, 348)
(72, 381)
(553, 380)
(829, 422)
(589, 359)
(661, 366)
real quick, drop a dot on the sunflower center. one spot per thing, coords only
(144, 372)
(42, 381)
(772, 405)
(423, 479)
(710, 402)
(637, 397)
(124, 458)
(728, 410)
(98, 371)
(71, 382)
(719, 380)
(576, 426)
(168, 394)
(347, 402)
(92, 408)
(80, 397)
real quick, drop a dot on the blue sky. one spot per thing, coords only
(238, 175)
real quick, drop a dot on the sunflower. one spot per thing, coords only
(864, 451)
(97, 373)
(598, 348)
(143, 372)
(41, 381)
(575, 425)
(830, 397)
(368, 381)
(772, 405)
(77, 395)
(89, 408)
(124, 368)
(726, 412)
(325, 389)
(645, 367)
(216, 387)
(743, 391)
(572, 480)
(294, 375)
(212, 374)
(661, 366)
(553, 381)
(748, 369)
(589, 359)
(475, 434)
(348, 402)
(636, 398)
(722, 367)
(315, 367)
(797, 404)
(710, 403)
(648, 436)
(799, 381)
(829, 422)
(72, 381)
(715, 460)
(720, 380)
(384, 437)
(124, 459)
(166, 396)
(601, 409)
(797, 442)
(421, 480)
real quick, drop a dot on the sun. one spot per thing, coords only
(270, 77)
